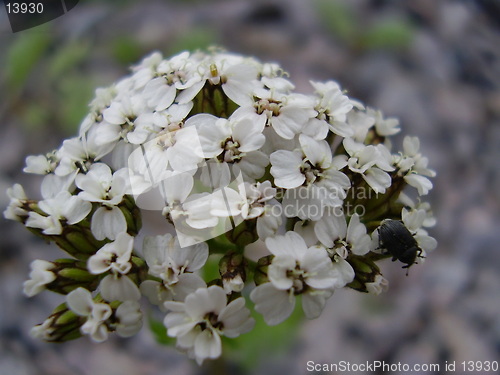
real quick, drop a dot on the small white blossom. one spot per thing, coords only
(102, 186)
(15, 210)
(294, 270)
(40, 276)
(63, 207)
(129, 319)
(41, 164)
(202, 318)
(167, 260)
(114, 257)
(332, 107)
(81, 303)
(312, 177)
(414, 166)
(372, 162)
(384, 126)
(379, 285)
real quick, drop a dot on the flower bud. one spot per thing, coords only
(260, 275)
(62, 325)
(71, 274)
(233, 273)
(368, 278)
(244, 234)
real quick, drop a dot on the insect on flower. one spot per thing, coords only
(398, 241)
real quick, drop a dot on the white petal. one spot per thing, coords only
(286, 169)
(318, 266)
(278, 270)
(76, 210)
(119, 289)
(317, 152)
(99, 262)
(377, 179)
(291, 244)
(421, 183)
(313, 303)
(108, 223)
(80, 302)
(207, 345)
(330, 228)
(275, 305)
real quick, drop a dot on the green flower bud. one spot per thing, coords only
(244, 234)
(62, 325)
(367, 274)
(260, 275)
(71, 274)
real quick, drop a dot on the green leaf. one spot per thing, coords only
(194, 39)
(23, 55)
(338, 19)
(126, 50)
(395, 34)
(67, 57)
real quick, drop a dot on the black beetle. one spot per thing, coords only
(397, 240)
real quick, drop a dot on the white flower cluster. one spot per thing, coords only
(228, 154)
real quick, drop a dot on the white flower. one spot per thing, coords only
(286, 114)
(41, 164)
(167, 260)
(205, 315)
(379, 285)
(414, 166)
(45, 330)
(127, 118)
(312, 177)
(361, 122)
(129, 318)
(114, 257)
(173, 265)
(372, 162)
(294, 270)
(15, 210)
(248, 201)
(80, 153)
(81, 303)
(414, 220)
(160, 292)
(100, 185)
(270, 221)
(40, 276)
(333, 232)
(332, 107)
(63, 206)
(235, 142)
(235, 74)
(384, 126)
(146, 69)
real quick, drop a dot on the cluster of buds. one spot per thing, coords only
(227, 155)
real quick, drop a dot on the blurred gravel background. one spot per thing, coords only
(433, 64)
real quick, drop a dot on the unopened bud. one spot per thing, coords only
(368, 277)
(260, 275)
(244, 234)
(233, 273)
(63, 325)
(71, 274)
